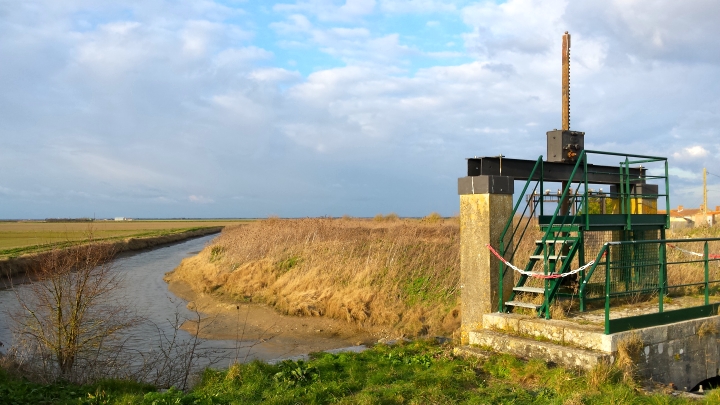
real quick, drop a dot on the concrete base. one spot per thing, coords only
(567, 356)
(684, 353)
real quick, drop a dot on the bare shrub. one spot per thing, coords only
(433, 218)
(399, 274)
(69, 319)
(171, 362)
(392, 217)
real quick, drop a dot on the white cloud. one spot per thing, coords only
(328, 10)
(175, 102)
(198, 35)
(275, 75)
(692, 152)
(417, 6)
(683, 174)
(238, 57)
(295, 23)
(199, 199)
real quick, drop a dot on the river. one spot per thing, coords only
(148, 294)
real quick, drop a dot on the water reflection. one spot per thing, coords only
(146, 293)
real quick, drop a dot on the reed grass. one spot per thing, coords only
(402, 274)
(398, 274)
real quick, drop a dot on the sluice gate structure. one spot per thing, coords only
(594, 254)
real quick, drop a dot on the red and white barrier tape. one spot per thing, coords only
(710, 255)
(536, 275)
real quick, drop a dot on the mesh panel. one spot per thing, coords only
(634, 269)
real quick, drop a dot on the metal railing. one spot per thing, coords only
(683, 279)
(580, 220)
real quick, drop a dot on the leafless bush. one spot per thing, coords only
(172, 361)
(69, 319)
(74, 324)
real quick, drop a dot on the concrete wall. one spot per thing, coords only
(684, 353)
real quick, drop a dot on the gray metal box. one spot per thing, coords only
(564, 146)
(486, 185)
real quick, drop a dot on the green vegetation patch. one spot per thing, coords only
(421, 290)
(286, 264)
(216, 253)
(14, 252)
(407, 373)
(14, 390)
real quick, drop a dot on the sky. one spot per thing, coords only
(199, 108)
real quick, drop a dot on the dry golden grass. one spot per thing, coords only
(401, 274)
(688, 273)
(385, 271)
(628, 356)
(707, 328)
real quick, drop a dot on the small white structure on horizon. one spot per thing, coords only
(123, 219)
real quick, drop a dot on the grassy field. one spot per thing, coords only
(420, 372)
(31, 236)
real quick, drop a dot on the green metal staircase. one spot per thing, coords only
(563, 239)
(553, 255)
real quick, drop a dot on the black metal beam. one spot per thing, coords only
(553, 171)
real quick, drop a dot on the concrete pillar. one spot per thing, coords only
(486, 204)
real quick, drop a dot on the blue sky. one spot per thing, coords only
(199, 108)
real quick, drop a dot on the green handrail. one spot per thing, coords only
(564, 223)
(538, 163)
(517, 204)
(563, 196)
(662, 286)
(590, 271)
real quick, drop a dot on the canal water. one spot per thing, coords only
(147, 293)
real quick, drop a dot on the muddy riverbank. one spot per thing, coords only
(17, 266)
(272, 332)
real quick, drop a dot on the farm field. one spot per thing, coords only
(32, 236)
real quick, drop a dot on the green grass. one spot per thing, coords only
(20, 391)
(18, 238)
(14, 252)
(413, 373)
(24, 234)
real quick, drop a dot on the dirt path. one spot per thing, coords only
(278, 334)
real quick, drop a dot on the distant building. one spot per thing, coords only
(123, 219)
(691, 217)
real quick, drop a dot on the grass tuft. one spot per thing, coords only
(628, 356)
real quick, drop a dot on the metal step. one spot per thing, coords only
(556, 241)
(522, 304)
(550, 257)
(560, 228)
(535, 290)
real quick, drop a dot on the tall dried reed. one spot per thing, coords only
(402, 274)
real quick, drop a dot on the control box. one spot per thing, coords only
(564, 146)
